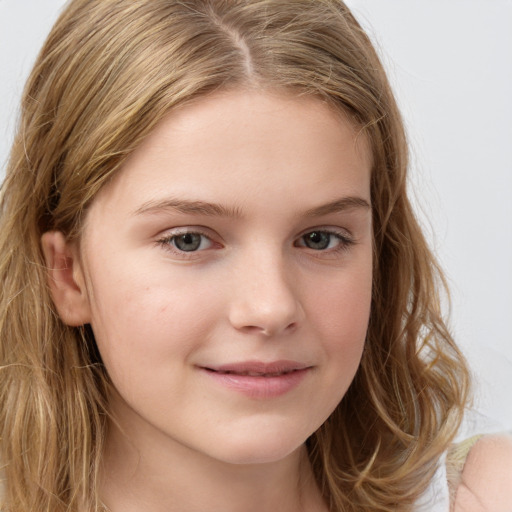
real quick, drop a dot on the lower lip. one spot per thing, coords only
(259, 387)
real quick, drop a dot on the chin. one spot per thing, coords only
(260, 448)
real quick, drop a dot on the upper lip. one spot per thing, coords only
(258, 367)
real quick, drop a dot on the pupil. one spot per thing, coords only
(188, 242)
(317, 240)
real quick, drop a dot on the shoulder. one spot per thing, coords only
(486, 480)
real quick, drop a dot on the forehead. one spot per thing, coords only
(231, 146)
(252, 117)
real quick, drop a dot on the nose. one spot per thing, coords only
(266, 299)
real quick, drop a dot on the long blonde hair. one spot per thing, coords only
(108, 73)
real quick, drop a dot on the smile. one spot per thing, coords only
(259, 380)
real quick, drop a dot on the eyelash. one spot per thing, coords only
(168, 242)
(345, 242)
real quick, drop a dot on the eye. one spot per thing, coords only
(318, 240)
(187, 242)
(323, 240)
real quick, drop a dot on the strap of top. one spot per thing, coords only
(455, 461)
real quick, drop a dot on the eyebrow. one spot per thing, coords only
(339, 205)
(189, 207)
(218, 210)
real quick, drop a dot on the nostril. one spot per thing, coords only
(254, 329)
(267, 331)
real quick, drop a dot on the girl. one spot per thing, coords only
(215, 295)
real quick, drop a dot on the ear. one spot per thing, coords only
(66, 279)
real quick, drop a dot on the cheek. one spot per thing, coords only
(342, 308)
(341, 315)
(140, 321)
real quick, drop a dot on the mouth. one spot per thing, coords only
(258, 369)
(259, 380)
(253, 374)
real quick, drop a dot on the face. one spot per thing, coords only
(228, 272)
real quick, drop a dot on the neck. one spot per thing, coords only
(153, 473)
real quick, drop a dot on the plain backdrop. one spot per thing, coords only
(450, 62)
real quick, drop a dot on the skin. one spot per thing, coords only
(486, 480)
(278, 168)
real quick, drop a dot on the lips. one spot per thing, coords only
(258, 379)
(259, 369)
(255, 374)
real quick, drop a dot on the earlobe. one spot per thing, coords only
(66, 279)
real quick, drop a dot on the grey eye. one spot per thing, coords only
(187, 242)
(318, 240)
